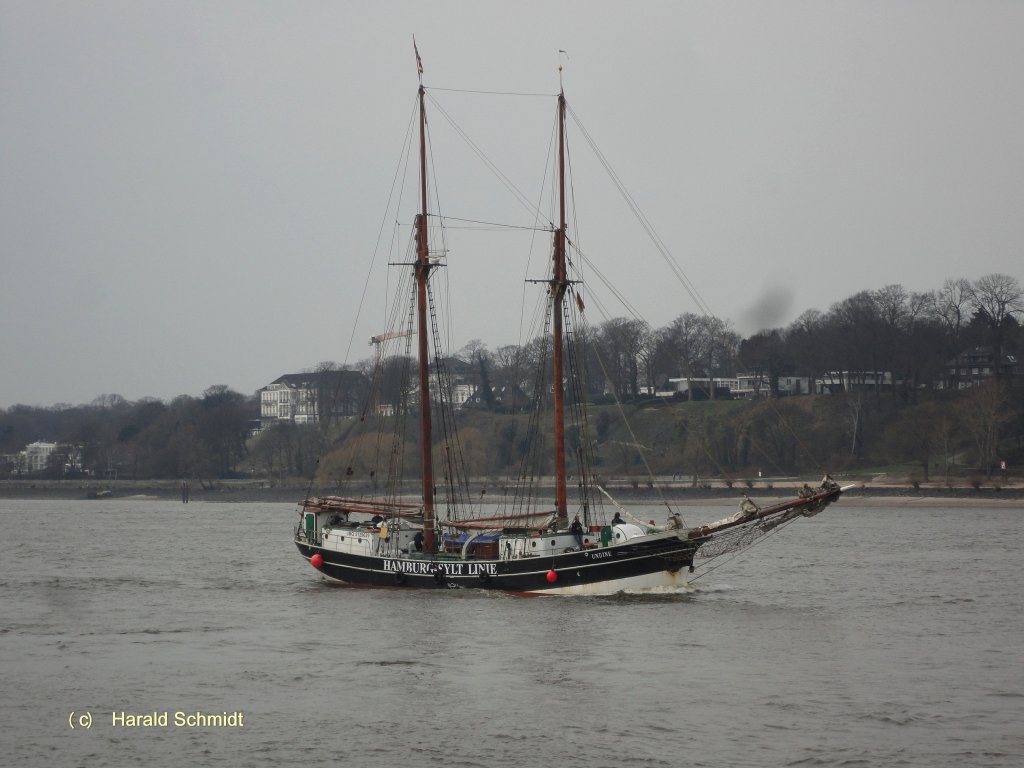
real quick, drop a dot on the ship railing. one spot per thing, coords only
(310, 537)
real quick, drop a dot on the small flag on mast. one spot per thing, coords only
(419, 62)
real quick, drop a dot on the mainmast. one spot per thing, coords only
(422, 271)
(559, 284)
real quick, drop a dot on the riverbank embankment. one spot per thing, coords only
(866, 493)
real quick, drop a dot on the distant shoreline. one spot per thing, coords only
(678, 493)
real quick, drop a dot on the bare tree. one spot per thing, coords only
(720, 344)
(855, 327)
(804, 342)
(982, 413)
(620, 340)
(765, 356)
(685, 335)
(951, 303)
(647, 351)
(918, 432)
(998, 299)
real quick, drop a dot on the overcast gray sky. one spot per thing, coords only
(191, 192)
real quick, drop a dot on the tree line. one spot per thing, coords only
(111, 438)
(912, 336)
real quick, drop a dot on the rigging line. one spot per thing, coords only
(393, 310)
(641, 452)
(610, 286)
(491, 93)
(524, 323)
(449, 320)
(572, 202)
(406, 307)
(537, 216)
(520, 347)
(483, 228)
(505, 180)
(645, 223)
(526, 480)
(760, 539)
(772, 404)
(373, 260)
(456, 478)
(704, 443)
(592, 331)
(376, 392)
(397, 227)
(396, 455)
(586, 456)
(666, 254)
(496, 224)
(643, 220)
(789, 427)
(757, 446)
(437, 196)
(594, 300)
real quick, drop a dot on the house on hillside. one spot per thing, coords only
(976, 366)
(36, 456)
(752, 386)
(502, 398)
(39, 457)
(700, 387)
(849, 381)
(455, 379)
(305, 398)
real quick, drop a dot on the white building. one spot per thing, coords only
(301, 397)
(753, 386)
(37, 456)
(846, 381)
(702, 385)
(284, 400)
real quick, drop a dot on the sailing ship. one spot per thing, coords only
(540, 539)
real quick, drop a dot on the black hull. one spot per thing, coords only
(659, 561)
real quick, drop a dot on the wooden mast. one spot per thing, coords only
(422, 271)
(559, 284)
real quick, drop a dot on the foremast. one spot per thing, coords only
(422, 274)
(559, 285)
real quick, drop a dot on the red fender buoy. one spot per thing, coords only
(316, 560)
(552, 577)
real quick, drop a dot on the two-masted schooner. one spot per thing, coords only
(545, 540)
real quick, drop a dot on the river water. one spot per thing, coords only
(864, 636)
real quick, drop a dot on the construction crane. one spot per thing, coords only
(376, 341)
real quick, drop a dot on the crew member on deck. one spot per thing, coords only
(577, 531)
(617, 520)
